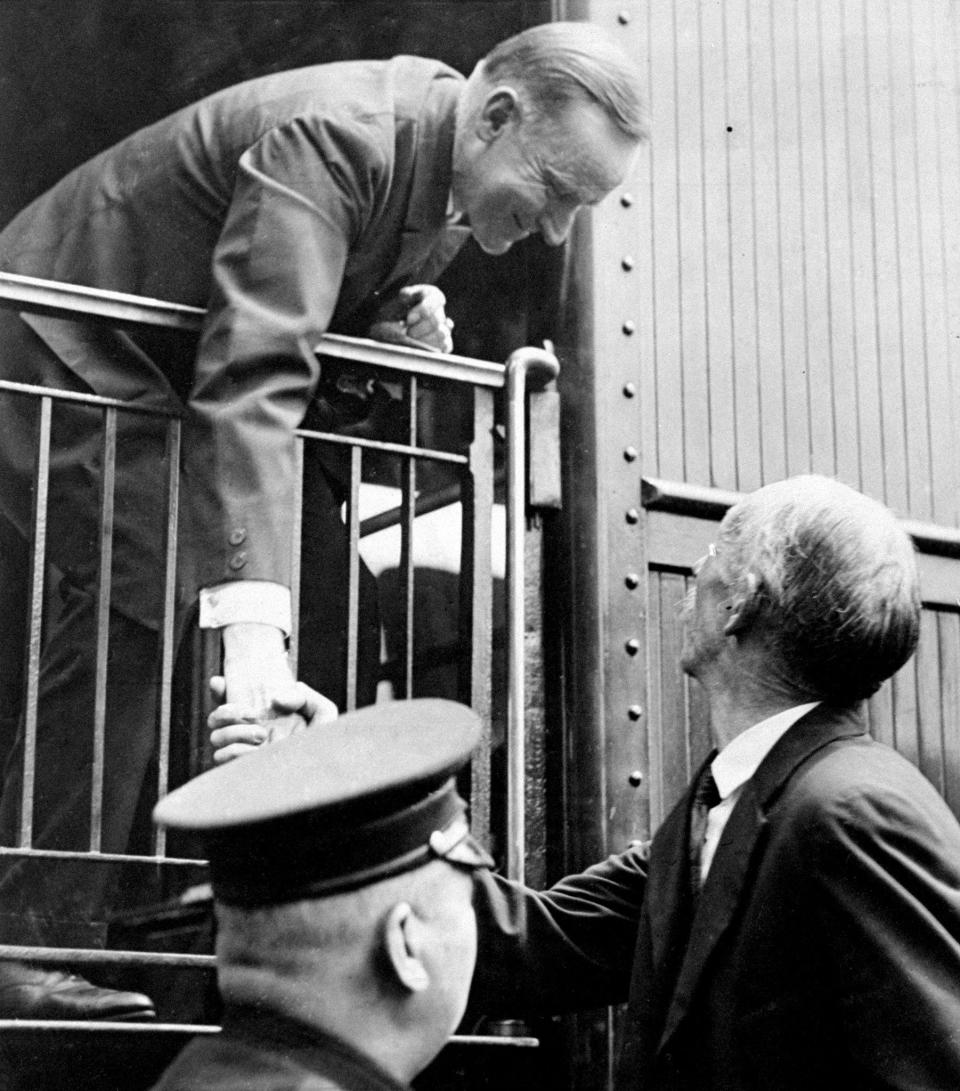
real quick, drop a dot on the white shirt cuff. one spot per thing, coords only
(246, 600)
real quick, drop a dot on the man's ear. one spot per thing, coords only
(501, 107)
(403, 945)
(743, 607)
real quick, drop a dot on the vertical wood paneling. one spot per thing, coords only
(717, 285)
(767, 246)
(938, 68)
(790, 260)
(913, 365)
(860, 214)
(815, 227)
(691, 234)
(741, 195)
(930, 726)
(665, 432)
(659, 725)
(805, 246)
(948, 630)
(674, 773)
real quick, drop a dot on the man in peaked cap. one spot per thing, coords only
(341, 862)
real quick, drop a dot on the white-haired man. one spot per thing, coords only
(795, 922)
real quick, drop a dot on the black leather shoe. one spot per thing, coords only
(32, 992)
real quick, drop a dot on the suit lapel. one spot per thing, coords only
(718, 901)
(739, 849)
(424, 228)
(668, 891)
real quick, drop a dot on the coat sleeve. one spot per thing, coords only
(569, 947)
(884, 870)
(302, 197)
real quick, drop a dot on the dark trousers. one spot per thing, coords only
(58, 902)
(53, 902)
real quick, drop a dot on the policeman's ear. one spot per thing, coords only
(500, 108)
(744, 606)
(404, 946)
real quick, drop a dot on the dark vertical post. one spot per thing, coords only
(605, 567)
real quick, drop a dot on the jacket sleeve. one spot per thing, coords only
(566, 948)
(884, 870)
(302, 197)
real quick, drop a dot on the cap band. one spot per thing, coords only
(283, 861)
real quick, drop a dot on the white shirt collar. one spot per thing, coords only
(739, 759)
(454, 215)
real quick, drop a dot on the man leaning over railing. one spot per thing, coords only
(287, 205)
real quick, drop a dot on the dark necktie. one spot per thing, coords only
(705, 796)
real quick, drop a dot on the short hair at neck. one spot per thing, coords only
(559, 62)
(279, 946)
(838, 579)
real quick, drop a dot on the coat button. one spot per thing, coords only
(237, 561)
(238, 536)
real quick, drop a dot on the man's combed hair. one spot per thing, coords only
(839, 583)
(559, 62)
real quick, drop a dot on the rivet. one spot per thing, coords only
(623, 17)
(629, 327)
(634, 712)
(632, 580)
(636, 778)
(629, 390)
(633, 516)
(630, 454)
(626, 199)
(627, 262)
(632, 646)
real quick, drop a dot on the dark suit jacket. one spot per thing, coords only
(825, 949)
(269, 1053)
(285, 205)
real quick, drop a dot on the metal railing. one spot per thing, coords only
(474, 462)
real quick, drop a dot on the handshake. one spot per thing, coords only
(236, 730)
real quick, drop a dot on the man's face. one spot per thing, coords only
(705, 613)
(516, 176)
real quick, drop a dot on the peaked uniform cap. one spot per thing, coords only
(337, 806)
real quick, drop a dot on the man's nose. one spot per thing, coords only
(555, 225)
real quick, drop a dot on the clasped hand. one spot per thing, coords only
(235, 730)
(417, 318)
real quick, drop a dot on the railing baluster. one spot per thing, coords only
(476, 600)
(293, 651)
(168, 629)
(520, 363)
(37, 573)
(477, 503)
(104, 585)
(408, 499)
(353, 580)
